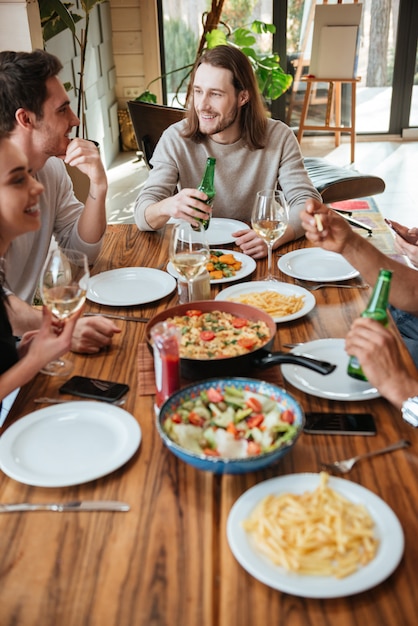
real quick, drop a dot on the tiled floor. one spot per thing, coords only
(395, 161)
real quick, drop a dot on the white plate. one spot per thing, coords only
(387, 527)
(130, 285)
(317, 265)
(68, 444)
(220, 230)
(248, 266)
(285, 289)
(335, 386)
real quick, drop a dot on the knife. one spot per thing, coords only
(77, 505)
(126, 318)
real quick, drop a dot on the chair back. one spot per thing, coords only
(149, 122)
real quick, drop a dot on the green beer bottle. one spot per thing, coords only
(376, 310)
(208, 187)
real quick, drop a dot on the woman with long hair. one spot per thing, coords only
(19, 214)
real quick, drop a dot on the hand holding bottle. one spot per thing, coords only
(377, 350)
(207, 186)
(376, 310)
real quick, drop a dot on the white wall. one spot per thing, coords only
(99, 78)
(20, 29)
(20, 25)
(136, 47)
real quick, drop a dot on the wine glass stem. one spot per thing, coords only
(269, 258)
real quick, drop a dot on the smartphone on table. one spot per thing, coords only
(94, 388)
(340, 424)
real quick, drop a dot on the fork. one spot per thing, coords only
(343, 467)
(315, 286)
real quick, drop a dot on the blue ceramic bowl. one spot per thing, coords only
(223, 465)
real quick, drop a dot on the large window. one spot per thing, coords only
(383, 61)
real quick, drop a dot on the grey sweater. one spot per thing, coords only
(179, 163)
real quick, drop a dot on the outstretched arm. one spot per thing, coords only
(37, 349)
(338, 236)
(90, 335)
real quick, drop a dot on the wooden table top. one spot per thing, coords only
(167, 561)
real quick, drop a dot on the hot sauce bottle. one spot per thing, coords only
(166, 342)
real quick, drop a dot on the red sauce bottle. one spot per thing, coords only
(166, 341)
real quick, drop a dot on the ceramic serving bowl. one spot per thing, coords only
(276, 399)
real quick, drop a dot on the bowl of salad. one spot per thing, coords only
(230, 425)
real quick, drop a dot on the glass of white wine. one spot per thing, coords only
(269, 219)
(63, 288)
(189, 250)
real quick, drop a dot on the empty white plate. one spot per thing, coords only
(220, 230)
(130, 285)
(317, 265)
(335, 386)
(68, 444)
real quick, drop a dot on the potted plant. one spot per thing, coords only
(56, 16)
(272, 80)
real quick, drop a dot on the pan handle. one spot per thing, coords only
(277, 358)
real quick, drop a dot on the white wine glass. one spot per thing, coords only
(189, 250)
(269, 219)
(63, 288)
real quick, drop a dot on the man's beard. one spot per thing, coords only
(227, 123)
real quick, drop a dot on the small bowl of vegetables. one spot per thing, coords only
(230, 425)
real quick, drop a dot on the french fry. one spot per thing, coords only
(318, 221)
(272, 302)
(318, 533)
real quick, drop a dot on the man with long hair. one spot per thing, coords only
(226, 119)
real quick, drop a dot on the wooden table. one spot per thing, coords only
(167, 561)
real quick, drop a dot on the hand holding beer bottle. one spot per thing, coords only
(208, 187)
(376, 310)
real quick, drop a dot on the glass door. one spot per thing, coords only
(388, 75)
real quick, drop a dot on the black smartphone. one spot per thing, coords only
(340, 424)
(97, 389)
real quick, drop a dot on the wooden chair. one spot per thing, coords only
(149, 122)
(333, 183)
(333, 118)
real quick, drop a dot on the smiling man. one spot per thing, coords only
(227, 120)
(35, 111)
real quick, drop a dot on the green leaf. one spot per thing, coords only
(88, 5)
(147, 96)
(49, 7)
(262, 27)
(243, 37)
(215, 38)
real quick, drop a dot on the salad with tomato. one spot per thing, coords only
(232, 422)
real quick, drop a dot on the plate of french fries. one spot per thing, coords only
(284, 302)
(279, 533)
(224, 266)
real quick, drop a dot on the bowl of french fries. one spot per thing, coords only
(230, 425)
